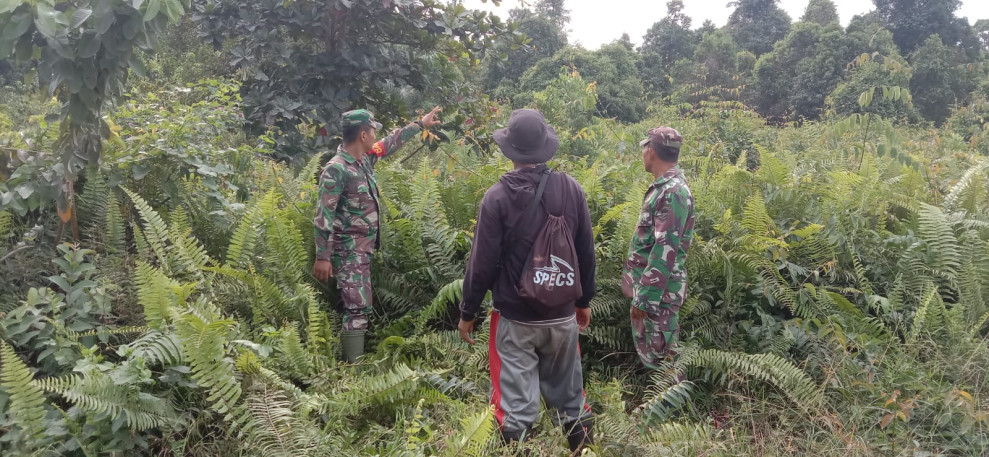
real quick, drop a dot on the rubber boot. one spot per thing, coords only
(579, 435)
(352, 342)
(520, 437)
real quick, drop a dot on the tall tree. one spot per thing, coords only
(85, 52)
(912, 21)
(614, 68)
(756, 24)
(554, 10)
(543, 38)
(822, 12)
(869, 74)
(793, 80)
(982, 31)
(940, 79)
(626, 41)
(715, 58)
(305, 62)
(667, 41)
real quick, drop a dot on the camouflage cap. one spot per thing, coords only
(359, 117)
(663, 136)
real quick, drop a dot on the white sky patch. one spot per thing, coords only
(597, 22)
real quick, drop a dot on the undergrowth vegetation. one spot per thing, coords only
(838, 302)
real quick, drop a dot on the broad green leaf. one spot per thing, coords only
(6, 48)
(25, 48)
(19, 23)
(89, 45)
(133, 26)
(7, 6)
(79, 17)
(153, 7)
(174, 10)
(49, 21)
(137, 66)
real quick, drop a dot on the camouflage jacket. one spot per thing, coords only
(347, 213)
(655, 265)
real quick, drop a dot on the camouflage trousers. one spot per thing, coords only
(353, 274)
(655, 336)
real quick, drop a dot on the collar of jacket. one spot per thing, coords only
(346, 155)
(670, 174)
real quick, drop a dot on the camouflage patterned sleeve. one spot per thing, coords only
(392, 143)
(669, 222)
(331, 185)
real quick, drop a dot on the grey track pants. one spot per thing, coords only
(532, 358)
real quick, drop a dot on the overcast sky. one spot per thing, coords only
(596, 22)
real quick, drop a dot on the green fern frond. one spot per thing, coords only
(679, 433)
(141, 244)
(474, 435)
(156, 292)
(979, 324)
(665, 402)
(114, 235)
(188, 253)
(26, 407)
(615, 338)
(287, 254)
(318, 334)
(936, 231)
(292, 354)
(966, 193)
(769, 368)
(6, 225)
(155, 229)
(860, 273)
(451, 293)
(158, 348)
(613, 213)
(610, 304)
(243, 243)
(204, 344)
(271, 303)
(772, 170)
(756, 218)
(96, 392)
(929, 314)
(92, 204)
(271, 428)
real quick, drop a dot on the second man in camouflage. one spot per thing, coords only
(655, 275)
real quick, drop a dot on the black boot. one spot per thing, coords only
(519, 437)
(579, 434)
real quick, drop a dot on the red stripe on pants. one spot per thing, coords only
(495, 363)
(583, 392)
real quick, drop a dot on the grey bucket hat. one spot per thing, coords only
(528, 138)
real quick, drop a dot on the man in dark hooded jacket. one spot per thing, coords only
(532, 349)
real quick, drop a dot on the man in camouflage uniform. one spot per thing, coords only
(655, 276)
(347, 217)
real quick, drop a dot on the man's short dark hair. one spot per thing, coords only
(665, 153)
(351, 133)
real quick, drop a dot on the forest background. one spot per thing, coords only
(158, 163)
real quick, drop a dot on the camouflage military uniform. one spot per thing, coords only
(347, 221)
(655, 265)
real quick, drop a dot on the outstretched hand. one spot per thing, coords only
(432, 119)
